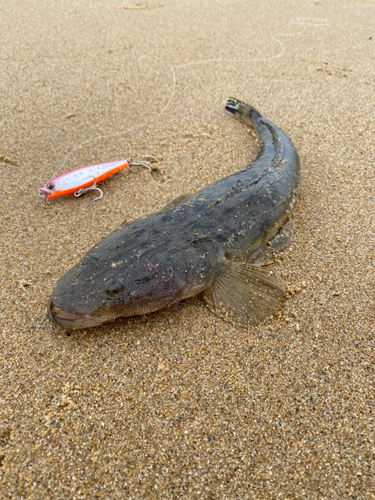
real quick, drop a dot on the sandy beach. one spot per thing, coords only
(180, 404)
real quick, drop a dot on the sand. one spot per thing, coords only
(180, 404)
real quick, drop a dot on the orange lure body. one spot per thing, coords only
(81, 180)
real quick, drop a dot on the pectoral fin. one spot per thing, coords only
(244, 294)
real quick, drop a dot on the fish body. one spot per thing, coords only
(201, 243)
(81, 179)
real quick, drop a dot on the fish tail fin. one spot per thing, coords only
(241, 110)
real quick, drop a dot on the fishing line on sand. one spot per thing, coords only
(301, 21)
(304, 22)
(132, 129)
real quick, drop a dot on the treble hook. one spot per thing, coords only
(140, 164)
(80, 192)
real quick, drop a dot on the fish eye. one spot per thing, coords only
(114, 287)
(50, 186)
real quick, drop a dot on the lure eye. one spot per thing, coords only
(115, 287)
(50, 186)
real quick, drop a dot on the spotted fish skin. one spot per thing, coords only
(198, 243)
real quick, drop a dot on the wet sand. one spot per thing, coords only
(180, 404)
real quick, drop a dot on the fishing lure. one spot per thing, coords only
(85, 179)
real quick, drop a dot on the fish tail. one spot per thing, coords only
(241, 110)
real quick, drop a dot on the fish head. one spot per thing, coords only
(109, 283)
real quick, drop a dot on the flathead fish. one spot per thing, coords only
(204, 243)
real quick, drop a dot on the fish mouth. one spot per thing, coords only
(69, 320)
